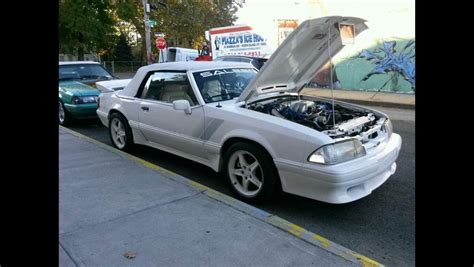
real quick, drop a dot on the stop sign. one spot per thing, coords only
(161, 43)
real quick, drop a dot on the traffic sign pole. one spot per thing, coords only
(147, 33)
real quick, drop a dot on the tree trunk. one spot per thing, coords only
(144, 55)
(80, 53)
(141, 31)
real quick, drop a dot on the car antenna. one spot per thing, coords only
(218, 105)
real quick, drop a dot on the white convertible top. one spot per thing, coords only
(132, 87)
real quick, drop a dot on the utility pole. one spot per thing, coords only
(147, 32)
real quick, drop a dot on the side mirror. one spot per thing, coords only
(182, 105)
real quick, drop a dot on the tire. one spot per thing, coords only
(120, 132)
(64, 118)
(257, 180)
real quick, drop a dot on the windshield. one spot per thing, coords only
(78, 72)
(223, 84)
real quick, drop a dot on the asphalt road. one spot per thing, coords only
(380, 226)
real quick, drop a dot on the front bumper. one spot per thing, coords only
(82, 111)
(345, 182)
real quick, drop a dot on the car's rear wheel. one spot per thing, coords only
(63, 116)
(120, 132)
(250, 172)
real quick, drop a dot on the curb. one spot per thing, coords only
(257, 213)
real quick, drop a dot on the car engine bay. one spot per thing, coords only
(319, 115)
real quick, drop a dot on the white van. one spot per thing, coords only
(172, 54)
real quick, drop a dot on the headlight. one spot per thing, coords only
(338, 152)
(387, 127)
(84, 99)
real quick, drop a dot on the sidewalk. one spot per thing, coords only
(113, 205)
(395, 100)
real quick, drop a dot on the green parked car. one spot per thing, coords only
(77, 93)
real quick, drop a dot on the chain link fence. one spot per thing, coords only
(123, 66)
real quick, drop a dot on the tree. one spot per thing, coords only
(131, 11)
(183, 21)
(186, 21)
(85, 25)
(122, 50)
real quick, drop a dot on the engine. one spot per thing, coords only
(319, 115)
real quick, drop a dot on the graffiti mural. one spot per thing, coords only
(386, 60)
(388, 66)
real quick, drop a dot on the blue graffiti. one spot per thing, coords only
(402, 63)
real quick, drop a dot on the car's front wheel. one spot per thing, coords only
(63, 116)
(120, 132)
(250, 172)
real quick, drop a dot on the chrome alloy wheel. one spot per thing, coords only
(117, 131)
(245, 173)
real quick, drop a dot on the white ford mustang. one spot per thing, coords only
(256, 127)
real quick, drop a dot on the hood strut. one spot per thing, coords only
(331, 77)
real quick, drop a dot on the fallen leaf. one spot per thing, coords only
(130, 255)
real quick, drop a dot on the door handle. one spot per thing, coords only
(145, 108)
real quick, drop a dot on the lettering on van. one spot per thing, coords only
(241, 39)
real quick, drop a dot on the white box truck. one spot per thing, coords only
(236, 40)
(171, 54)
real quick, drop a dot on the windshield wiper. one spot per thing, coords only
(226, 94)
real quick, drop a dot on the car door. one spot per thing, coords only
(164, 126)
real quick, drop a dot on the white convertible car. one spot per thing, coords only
(255, 127)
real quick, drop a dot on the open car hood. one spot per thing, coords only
(299, 58)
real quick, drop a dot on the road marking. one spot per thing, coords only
(323, 240)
